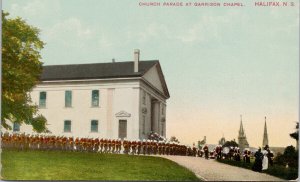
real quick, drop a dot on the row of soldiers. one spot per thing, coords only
(145, 147)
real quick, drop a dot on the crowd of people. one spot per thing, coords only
(263, 159)
(22, 141)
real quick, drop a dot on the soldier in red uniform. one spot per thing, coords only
(159, 148)
(64, 143)
(82, 144)
(119, 145)
(129, 143)
(125, 146)
(167, 148)
(109, 145)
(77, 144)
(105, 145)
(71, 143)
(101, 145)
(163, 148)
(139, 147)
(149, 147)
(153, 147)
(97, 144)
(133, 147)
(144, 146)
(90, 145)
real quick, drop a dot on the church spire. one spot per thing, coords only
(265, 139)
(241, 132)
(242, 139)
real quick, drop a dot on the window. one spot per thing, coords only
(94, 126)
(95, 98)
(144, 97)
(43, 97)
(67, 126)
(16, 127)
(144, 124)
(162, 110)
(68, 98)
(162, 129)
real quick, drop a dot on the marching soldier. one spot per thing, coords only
(97, 144)
(109, 146)
(163, 148)
(167, 149)
(105, 145)
(144, 146)
(159, 148)
(129, 143)
(77, 144)
(71, 143)
(101, 145)
(139, 147)
(125, 146)
(119, 146)
(113, 146)
(149, 147)
(171, 148)
(133, 147)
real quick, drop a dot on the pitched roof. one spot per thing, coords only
(100, 71)
(95, 70)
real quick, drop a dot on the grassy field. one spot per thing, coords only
(275, 170)
(55, 165)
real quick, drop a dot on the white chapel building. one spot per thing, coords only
(105, 100)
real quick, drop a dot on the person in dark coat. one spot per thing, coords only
(205, 148)
(257, 166)
(248, 156)
(270, 155)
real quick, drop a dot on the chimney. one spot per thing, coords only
(136, 60)
(113, 60)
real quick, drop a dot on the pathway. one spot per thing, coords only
(212, 170)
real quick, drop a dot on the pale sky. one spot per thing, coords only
(219, 62)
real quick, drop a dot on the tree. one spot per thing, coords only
(155, 136)
(295, 135)
(290, 157)
(21, 69)
(174, 139)
(231, 143)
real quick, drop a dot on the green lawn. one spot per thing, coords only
(275, 170)
(55, 165)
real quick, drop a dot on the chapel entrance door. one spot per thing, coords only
(122, 129)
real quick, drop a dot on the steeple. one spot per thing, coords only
(265, 139)
(242, 139)
(241, 131)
